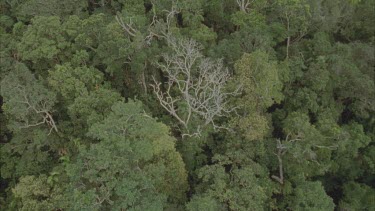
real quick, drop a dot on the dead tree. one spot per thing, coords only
(244, 4)
(195, 82)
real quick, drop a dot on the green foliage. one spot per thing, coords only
(358, 25)
(261, 88)
(298, 135)
(73, 82)
(203, 203)
(357, 197)
(295, 15)
(311, 196)
(134, 166)
(26, 100)
(259, 78)
(43, 41)
(92, 108)
(347, 157)
(32, 192)
(306, 147)
(237, 190)
(28, 153)
(31, 8)
(352, 78)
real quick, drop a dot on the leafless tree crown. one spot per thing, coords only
(195, 84)
(193, 81)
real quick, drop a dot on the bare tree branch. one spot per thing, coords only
(282, 149)
(195, 82)
(244, 4)
(40, 108)
(128, 27)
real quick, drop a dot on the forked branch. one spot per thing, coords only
(194, 83)
(244, 4)
(40, 109)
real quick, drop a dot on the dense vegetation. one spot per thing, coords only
(187, 105)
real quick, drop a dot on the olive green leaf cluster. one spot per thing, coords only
(187, 105)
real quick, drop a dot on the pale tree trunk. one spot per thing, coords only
(202, 93)
(288, 39)
(280, 152)
(144, 79)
